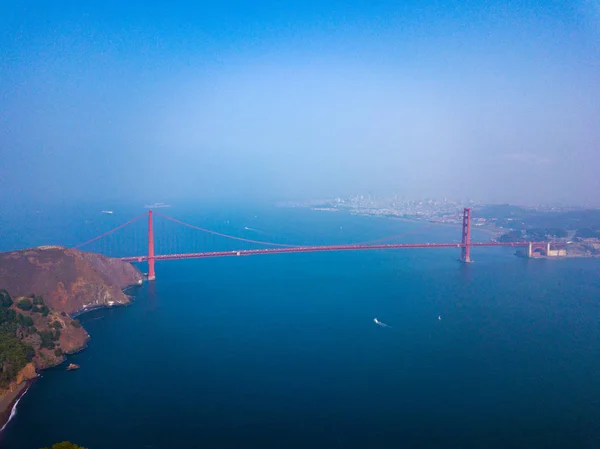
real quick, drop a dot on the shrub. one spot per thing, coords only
(7, 315)
(14, 355)
(56, 325)
(47, 339)
(41, 309)
(24, 304)
(64, 445)
(58, 352)
(5, 299)
(25, 320)
(76, 323)
(38, 300)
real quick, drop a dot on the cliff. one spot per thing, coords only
(39, 290)
(69, 280)
(28, 372)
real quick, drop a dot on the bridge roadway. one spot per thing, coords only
(312, 249)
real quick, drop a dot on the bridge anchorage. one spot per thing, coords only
(169, 249)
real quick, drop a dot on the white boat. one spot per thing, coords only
(156, 205)
(379, 323)
(109, 212)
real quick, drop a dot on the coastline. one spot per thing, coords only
(488, 229)
(8, 401)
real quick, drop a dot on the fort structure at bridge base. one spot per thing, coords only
(543, 249)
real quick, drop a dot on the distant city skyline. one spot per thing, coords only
(390, 199)
(496, 101)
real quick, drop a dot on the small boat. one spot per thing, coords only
(108, 212)
(379, 323)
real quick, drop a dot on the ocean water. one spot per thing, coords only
(281, 351)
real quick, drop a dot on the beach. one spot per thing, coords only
(8, 400)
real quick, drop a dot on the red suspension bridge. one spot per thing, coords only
(169, 243)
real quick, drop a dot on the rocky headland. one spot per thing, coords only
(41, 290)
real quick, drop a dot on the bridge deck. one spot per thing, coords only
(312, 249)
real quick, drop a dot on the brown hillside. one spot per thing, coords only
(69, 280)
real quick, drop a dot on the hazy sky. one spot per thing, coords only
(493, 100)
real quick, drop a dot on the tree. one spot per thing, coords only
(5, 299)
(76, 323)
(47, 339)
(7, 316)
(24, 320)
(64, 445)
(557, 232)
(56, 325)
(511, 236)
(14, 355)
(587, 233)
(43, 309)
(536, 234)
(38, 300)
(58, 352)
(24, 304)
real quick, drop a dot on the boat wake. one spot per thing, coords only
(379, 323)
(246, 228)
(13, 412)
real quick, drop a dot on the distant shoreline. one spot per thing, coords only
(488, 229)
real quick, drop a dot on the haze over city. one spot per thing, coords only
(496, 101)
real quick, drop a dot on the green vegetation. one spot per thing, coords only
(14, 354)
(58, 352)
(43, 310)
(515, 217)
(39, 306)
(48, 338)
(76, 323)
(7, 316)
(5, 299)
(64, 445)
(533, 234)
(56, 325)
(511, 236)
(24, 321)
(24, 304)
(588, 233)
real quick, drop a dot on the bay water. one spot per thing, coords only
(282, 351)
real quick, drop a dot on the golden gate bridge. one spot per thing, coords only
(170, 252)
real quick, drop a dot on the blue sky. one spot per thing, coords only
(497, 101)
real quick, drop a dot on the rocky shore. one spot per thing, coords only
(10, 395)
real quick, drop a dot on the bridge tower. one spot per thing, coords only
(466, 236)
(151, 274)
